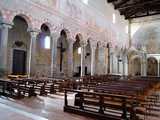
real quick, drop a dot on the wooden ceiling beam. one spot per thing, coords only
(118, 5)
(138, 16)
(134, 8)
(139, 4)
(111, 1)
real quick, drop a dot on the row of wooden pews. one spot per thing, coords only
(115, 98)
(20, 87)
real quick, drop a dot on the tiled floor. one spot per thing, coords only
(39, 108)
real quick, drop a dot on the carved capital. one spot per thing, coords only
(33, 32)
(83, 43)
(5, 25)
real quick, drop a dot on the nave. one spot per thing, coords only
(80, 60)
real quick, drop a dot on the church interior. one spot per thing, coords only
(80, 59)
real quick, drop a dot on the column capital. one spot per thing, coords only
(33, 32)
(83, 44)
(93, 44)
(6, 25)
(93, 48)
(55, 34)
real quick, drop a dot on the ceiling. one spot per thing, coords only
(136, 8)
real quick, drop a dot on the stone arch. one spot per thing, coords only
(48, 24)
(152, 66)
(80, 36)
(77, 55)
(18, 44)
(87, 68)
(27, 18)
(62, 53)
(97, 58)
(66, 31)
(135, 65)
(43, 51)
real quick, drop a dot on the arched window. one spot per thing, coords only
(47, 42)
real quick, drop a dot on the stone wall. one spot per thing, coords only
(73, 16)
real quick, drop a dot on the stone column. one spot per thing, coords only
(4, 45)
(144, 64)
(82, 58)
(32, 52)
(158, 68)
(70, 58)
(124, 64)
(111, 60)
(93, 49)
(54, 37)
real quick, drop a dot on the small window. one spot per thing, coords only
(79, 50)
(114, 18)
(85, 2)
(47, 42)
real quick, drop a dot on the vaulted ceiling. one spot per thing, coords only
(136, 8)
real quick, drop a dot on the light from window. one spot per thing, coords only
(79, 50)
(114, 18)
(85, 2)
(47, 42)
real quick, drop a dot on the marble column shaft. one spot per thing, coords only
(70, 58)
(158, 69)
(93, 49)
(32, 53)
(54, 54)
(82, 59)
(4, 45)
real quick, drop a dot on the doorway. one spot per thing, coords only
(19, 62)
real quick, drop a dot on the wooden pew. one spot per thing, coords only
(102, 106)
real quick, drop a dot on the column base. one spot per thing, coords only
(3, 72)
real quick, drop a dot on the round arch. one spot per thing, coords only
(18, 44)
(43, 51)
(49, 25)
(66, 31)
(28, 19)
(62, 53)
(77, 55)
(152, 66)
(135, 65)
(87, 68)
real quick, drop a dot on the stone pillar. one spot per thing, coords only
(144, 65)
(118, 64)
(158, 68)
(70, 58)
(111, 60)
(124, 64)
(82, 58)
(129, 33)
(54, 37)
(32, 53)
(93, 49)
(4, 45)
